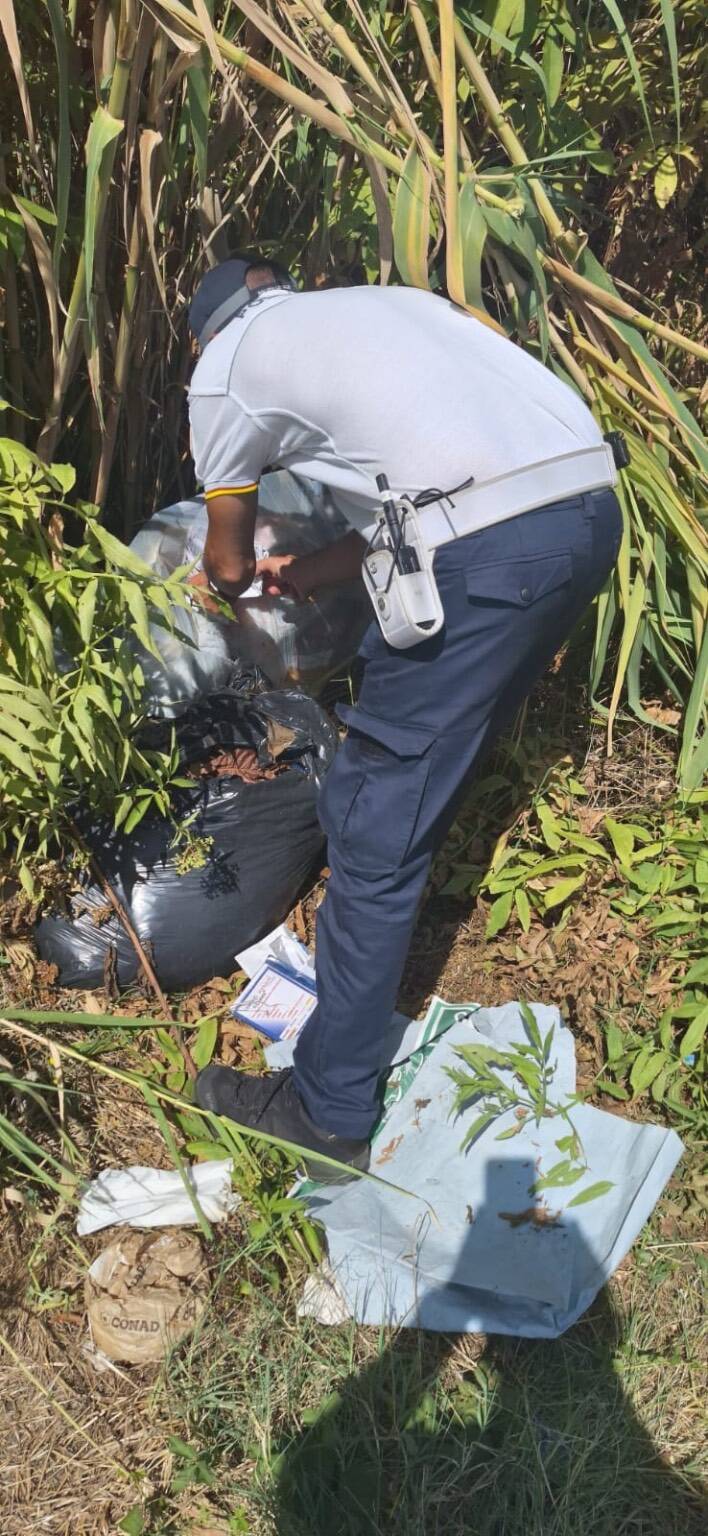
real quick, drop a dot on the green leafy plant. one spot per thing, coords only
(669, 1061)
(71, 683)
(498, 150)
(655, 868)
(518, 1081)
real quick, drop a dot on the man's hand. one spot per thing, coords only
(280, 575)
(302, 574)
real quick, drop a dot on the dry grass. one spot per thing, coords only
(61, 1477)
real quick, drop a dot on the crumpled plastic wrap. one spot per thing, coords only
(294, 643)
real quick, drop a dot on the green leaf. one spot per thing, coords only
(208, 1151)
(532, 1028)
(674, 917)
(499, 914)
(558, 893)
(624, 37)
(593, 1192)
(473, 233)
(647, 1066)
(457, 884)
(198, 86)
(588, 844)
(614, 1089)
(622, 839)
(550, 826)
(552, 63)
(669, 20)
(523, 907)
(615, 1042)
(102, 134)
(119, 554)
(61, 97)
(411, 221)
(139, 614)
(135, 816)
(697, 973)
(693, 762)
(695, 1033)
(85, 610)
(501, 41)
(477, 1127)
(559, 1177)
(665, 180)
(19, 759)
(205, 1044)
(133, 1524)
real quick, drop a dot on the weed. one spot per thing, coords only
(524, 1088)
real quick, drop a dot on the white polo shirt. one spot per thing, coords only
(345, 383)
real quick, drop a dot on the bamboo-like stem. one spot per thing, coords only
(13, 350)
(504, 131)
(308, 106)
(430, 60)
(569, 362)
(122, 360)
(345, 44)
(621, 403)
(617, 306)
(75, 318)
(625, 378)
(454, 269)
(425, 43)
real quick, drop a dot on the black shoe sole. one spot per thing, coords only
(324, 1173)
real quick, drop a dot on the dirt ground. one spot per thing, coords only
(74, 1429)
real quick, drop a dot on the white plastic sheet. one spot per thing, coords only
(295, 644)
(155, 1197)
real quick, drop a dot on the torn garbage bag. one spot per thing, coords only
(491, 1239)
(294, 643)
(262, 840)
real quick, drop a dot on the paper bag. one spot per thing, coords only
(144, 1293)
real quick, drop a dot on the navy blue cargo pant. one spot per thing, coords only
(512, 594)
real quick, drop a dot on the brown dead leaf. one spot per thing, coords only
(588, 818)
(390, 1150)
(298, 921)
(279, 738)
(534, 1216)
(663, 714)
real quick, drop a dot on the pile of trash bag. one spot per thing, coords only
(295, 644)
(262, 840)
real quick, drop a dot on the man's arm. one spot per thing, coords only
(229, 557)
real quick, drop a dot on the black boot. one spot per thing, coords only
(272, 1104)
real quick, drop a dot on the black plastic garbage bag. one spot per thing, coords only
(266, 838)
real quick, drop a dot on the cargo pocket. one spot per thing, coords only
(520, 582)
(370, 803)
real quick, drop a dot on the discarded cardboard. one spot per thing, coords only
(144, 1293)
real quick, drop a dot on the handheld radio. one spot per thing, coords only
(398, 574)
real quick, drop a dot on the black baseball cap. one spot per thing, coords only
(223, 291)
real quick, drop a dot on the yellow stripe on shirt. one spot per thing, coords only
(231, 490)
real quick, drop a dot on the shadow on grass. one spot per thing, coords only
(474, 1437)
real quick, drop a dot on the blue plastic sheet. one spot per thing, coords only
(459, 1252)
